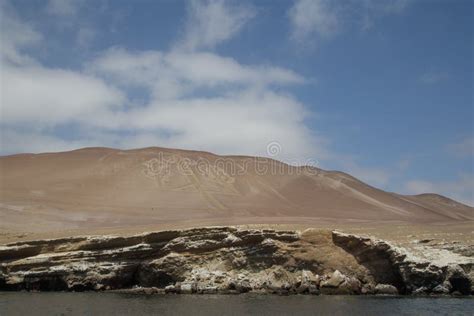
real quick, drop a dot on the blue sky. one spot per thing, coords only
(381, 89)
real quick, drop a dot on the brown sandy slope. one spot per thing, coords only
(96, 188)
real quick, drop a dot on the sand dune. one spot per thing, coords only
(102, 187)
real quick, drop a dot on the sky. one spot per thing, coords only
(381, 89)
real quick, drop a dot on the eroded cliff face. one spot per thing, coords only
(227, 260)
(411, 275)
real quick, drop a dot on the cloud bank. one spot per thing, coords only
(187, 97)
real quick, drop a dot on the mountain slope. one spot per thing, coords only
(102, 187)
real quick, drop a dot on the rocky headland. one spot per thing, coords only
(231, 260)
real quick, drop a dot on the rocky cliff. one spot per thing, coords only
(228, 260)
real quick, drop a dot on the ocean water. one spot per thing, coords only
(49, 303)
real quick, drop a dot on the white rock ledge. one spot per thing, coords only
(228, 260)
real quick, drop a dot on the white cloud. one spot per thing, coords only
(313, 17)
(240, 113)
(240, 119)
(195, 100)
(211, 22)
(63, 8)
(462, 189)
(50, 96)
(15, 36)
(37, 98)
(241, 123)
(176, 73)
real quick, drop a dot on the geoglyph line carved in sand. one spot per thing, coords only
(194, 175)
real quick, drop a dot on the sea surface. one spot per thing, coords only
(24, 303)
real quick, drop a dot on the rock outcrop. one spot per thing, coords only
(409, 275)
(226, 260)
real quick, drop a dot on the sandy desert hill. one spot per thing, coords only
(102, 187)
